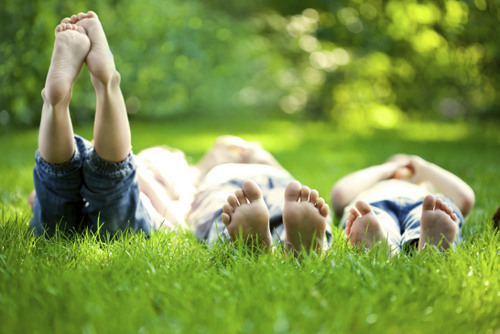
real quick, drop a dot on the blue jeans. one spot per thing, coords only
(400, 217)
(87, 192)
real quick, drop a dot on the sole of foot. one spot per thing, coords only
(246, 216)
(363, 228)
(100, 59)
(304, 217)
(70, 49)
(438, 224)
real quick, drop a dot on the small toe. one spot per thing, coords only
(354, 212)
(304, 194)
(227, 209)
(313, 198)
(439, 203)
(449, 211)
(232, 201)
(348, 224)
(226, 219)
(454, 218)
(324, 210)
(292, 191)
(240, 196)
(81, 16)
(66, 20)
(319, 203)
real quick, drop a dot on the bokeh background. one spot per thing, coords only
(345, 61)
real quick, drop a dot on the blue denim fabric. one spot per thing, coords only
(406, 215)
(87, 192)
(206, 210)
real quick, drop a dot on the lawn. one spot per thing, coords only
(170, 283)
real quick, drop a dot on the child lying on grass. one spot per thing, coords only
(95, 186)
(395, 203)
(239, 194)
(83, 185)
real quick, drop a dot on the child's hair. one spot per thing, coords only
(496, 219)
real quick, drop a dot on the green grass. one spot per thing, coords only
(170, 283)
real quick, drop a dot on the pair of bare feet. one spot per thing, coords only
(79, 38)
(438, 226)
(246, 216)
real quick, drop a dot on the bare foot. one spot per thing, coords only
(70, 49)
(438, 224)
(304, 217)
(100, 59)
(363, 228)
(246, 216)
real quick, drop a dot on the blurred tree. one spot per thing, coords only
(349, 61)
(175, 57)
(380, 60)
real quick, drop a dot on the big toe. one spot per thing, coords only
(251, 190)
(429, 202)
(363, 207)
(292, 191)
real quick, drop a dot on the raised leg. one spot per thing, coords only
(438, 224)
(55, 139)
(246, 216)
(304, 217)
(112, 140)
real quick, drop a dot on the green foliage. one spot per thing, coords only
(379, 60)
(343, 60)
(174, 57)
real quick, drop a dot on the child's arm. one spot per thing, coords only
(448, 183)
(348, 187)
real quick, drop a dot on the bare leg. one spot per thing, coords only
(364, 229)
(246, 216)
(304, 217)
(112, 140)
(55, 139)
(438, 224)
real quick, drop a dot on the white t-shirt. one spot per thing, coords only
(226, 172)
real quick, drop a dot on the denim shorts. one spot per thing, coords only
(400, 218)
(88, 192)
